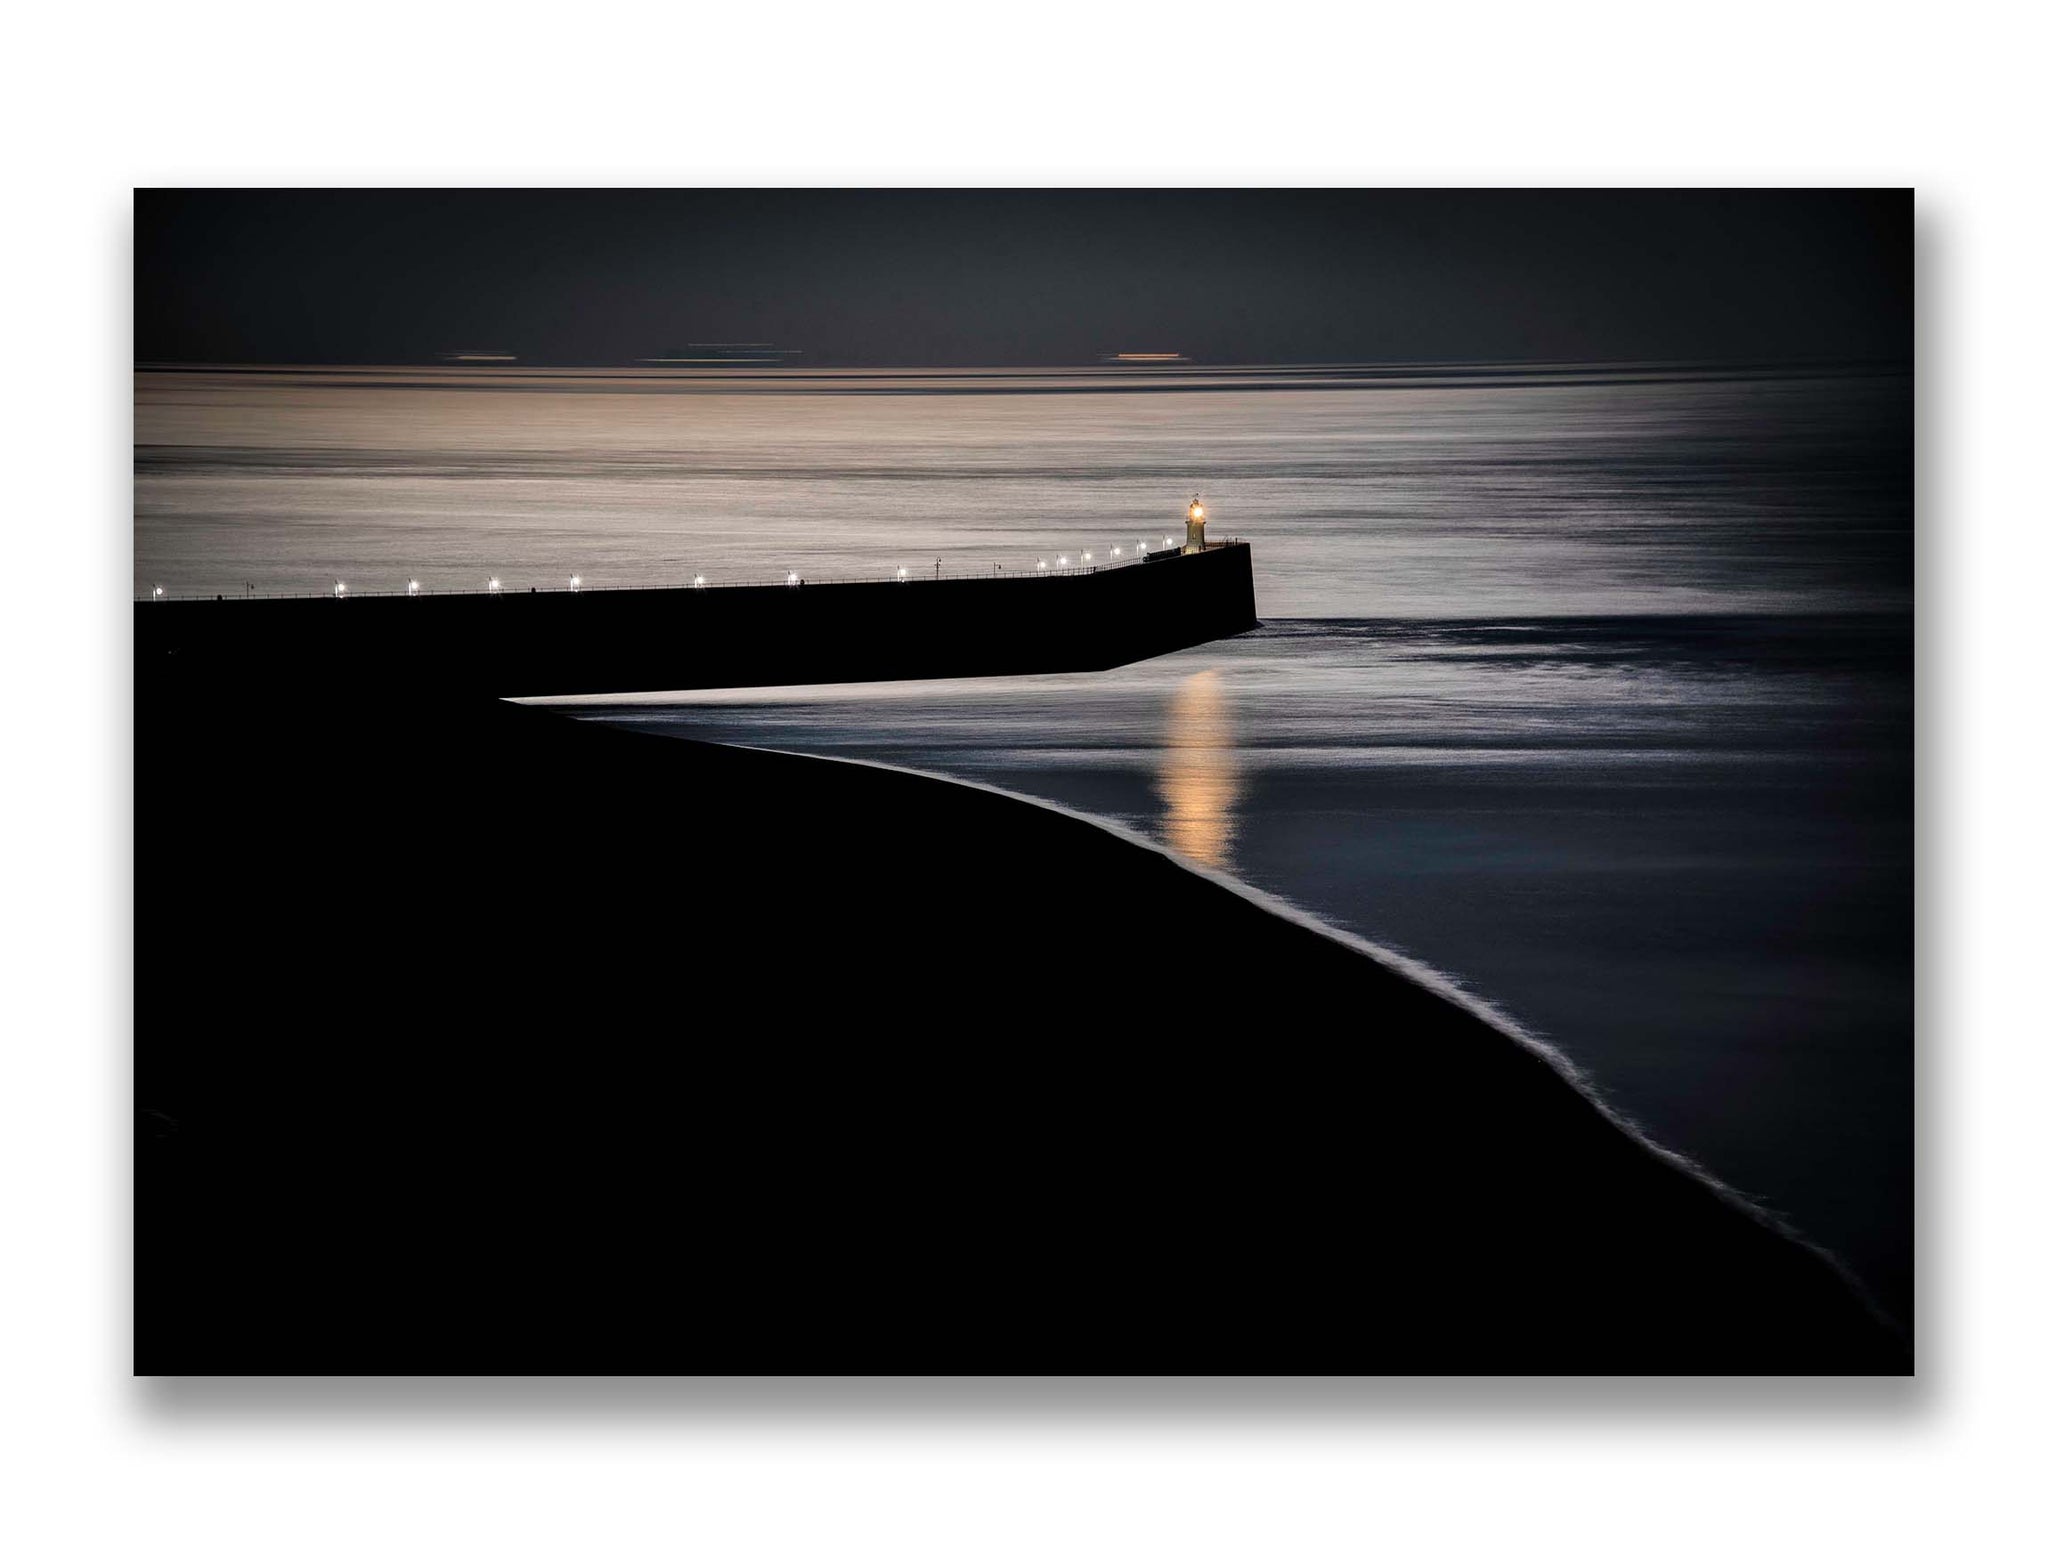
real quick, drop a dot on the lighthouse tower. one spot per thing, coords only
(1196, 512)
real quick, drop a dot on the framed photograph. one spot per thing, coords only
(1214, 779)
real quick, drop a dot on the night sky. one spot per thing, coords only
(1022, 277)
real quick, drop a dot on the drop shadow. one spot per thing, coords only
(1010, 1401)
(1935, 744)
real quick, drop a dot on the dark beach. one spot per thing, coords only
(472, 1038)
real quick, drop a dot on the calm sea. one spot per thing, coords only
(1590, 687)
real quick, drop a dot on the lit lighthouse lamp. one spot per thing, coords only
(1196, 514)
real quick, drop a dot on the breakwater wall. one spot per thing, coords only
(628, 639)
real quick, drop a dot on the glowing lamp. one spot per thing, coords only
(412, 587)
(494, 584)
(156, 591)
(575, 583)
(341, 589)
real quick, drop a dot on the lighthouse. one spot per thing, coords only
(1196, 512)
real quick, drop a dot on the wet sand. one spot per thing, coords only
(474, 1039)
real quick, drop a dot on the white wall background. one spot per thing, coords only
(96, 1466)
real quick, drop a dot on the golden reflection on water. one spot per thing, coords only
(1198, 771)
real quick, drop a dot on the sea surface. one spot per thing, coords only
(1590, 687)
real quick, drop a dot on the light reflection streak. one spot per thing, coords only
(1198, 771)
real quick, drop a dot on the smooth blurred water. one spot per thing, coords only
(1554, 492)
(1590, 688)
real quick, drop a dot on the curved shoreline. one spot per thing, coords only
(607, 1045)
(1432, 979)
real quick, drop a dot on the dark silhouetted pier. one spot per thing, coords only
(685, 637)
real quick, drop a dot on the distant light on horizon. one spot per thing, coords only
(1041, 566)
(156, 591)
(494, 584)
(341, 589)
(698, 582)
(795, 579)
(412, 587)
(575, 583)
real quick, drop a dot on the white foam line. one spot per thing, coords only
(1433, 979)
